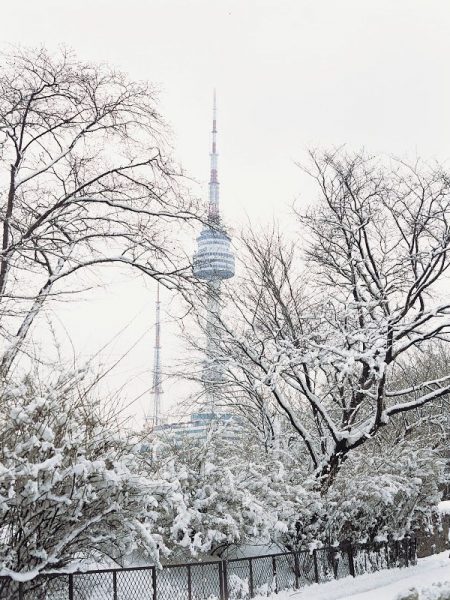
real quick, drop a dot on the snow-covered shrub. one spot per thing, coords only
(384, 492)
(411, 594)
(235, 493)
(438, 591)
(238, 588)
(219, 497)
(69, 488)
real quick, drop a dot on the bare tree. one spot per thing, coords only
(325, 340)
(86, 180)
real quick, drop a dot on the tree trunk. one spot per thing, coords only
(328, 473)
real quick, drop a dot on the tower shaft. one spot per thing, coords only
(212, 372)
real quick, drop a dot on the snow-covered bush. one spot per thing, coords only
(411, 594)
(438, 591)
(69, 488)
(238, 588)
(225, 494)
(218, 496)
(384, 492)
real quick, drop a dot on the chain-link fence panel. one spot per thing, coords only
(326, 565)
(341, 564)
(361, 561)
(93, 586)
(206, 581)
(172, 582)
(134, 584)
(285, 572)
(368, 559)
(263, 576)
(306, 568)
(238, 579)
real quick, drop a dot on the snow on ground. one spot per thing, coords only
(444, 507)
(383, 585)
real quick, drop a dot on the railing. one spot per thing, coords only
(240, 578)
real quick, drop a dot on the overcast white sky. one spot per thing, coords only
(290, 74)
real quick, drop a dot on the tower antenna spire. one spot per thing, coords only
(213, 207)
(157, 390)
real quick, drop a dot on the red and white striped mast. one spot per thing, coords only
(157, 390)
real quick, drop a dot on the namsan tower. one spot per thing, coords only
(213, 262)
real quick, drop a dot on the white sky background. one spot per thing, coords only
(290, 74)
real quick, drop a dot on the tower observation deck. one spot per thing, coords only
(213, 262)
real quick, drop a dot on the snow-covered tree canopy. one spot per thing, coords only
(325, 338)
(70, 488)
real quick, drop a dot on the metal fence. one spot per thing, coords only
(234, 579)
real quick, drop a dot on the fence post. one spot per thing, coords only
(335, 562)
(225, 579)
(71, 586)
(155, 595)
(296, 570)
(20, 590)
(114, 585)
(274, 571)
(316, 567)
(222, 591)
(189, 582)
(351, 562)
(250, 577)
